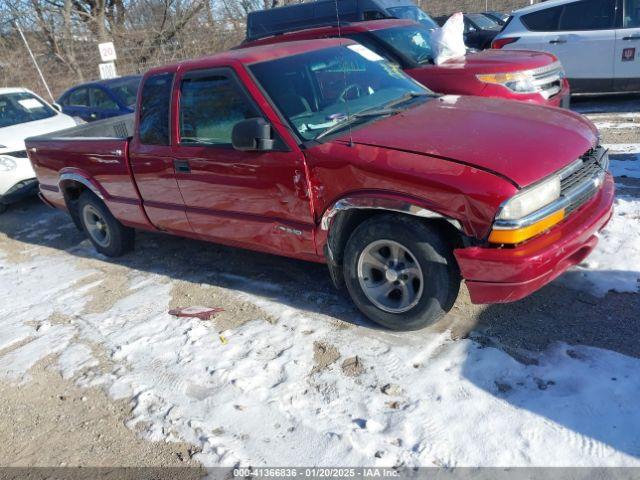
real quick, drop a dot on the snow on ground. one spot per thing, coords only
(256, 399)
(623, 147)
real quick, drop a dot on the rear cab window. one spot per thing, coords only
(155, 101)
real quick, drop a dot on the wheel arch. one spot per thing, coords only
(72, 184)
(344, 216)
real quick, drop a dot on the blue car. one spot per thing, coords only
(101, 99)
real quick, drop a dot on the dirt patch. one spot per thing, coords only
(619, 135)
(236, 311)
(324, 354)
(50, 422)
(14, 252)
(113, 286)
(353, 367)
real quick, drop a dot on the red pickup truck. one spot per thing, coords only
(528, 76)
(401, 192)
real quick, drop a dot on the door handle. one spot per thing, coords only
(633, 37)
(182, 166)
(556, 41)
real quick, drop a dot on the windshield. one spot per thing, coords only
(483, 22)
(412, 41)
(22, 107)
(126, 90)
(411, 12)
(321, 90)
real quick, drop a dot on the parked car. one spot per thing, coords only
(273, 21)
(400, 192)
(479, 30)
(597, 41)
(499, 17)
(101, 99)
(527, 76)
(22, 114)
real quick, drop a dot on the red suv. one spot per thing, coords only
(529, 76)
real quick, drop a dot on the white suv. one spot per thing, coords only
(23, 114)
(597, 41)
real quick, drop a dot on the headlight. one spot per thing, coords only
(7, 164)
(531, 200)
(519, 82)
(518, 221)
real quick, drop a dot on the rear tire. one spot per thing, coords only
(107, 234)
(400, 272)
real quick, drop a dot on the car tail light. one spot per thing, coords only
(501, 42)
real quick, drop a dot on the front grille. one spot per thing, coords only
(581, 180)
(548, 79)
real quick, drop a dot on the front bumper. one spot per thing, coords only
(563, 98)
(501, 275)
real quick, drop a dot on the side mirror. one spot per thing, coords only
(56, 106)
(252, 134)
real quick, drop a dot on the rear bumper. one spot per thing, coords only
(495, 275)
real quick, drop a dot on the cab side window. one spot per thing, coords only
(101, 100)
(631, 14)
(78, 98)
(154, 110)
(210, 105)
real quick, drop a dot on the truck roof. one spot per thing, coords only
(368, 26)
(273, 21)
(254, 54)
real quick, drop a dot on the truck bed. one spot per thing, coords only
(95, 156)
(109, 128)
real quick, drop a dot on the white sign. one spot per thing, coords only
(107, 51)
(108, 70)
(30, 103)
(366, 53)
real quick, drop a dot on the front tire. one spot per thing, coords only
(400, 272)
(107, 234)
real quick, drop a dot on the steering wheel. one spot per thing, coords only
(355, 87)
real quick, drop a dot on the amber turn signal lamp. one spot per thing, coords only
(525, 233)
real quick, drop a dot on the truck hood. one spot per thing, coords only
(520, 142)
(12, 138)
(497, 61)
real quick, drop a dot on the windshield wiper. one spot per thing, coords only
(358, 116)
(405, 98)
(387, 109)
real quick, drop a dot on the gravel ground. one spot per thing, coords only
(49, 421)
